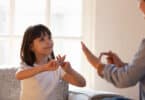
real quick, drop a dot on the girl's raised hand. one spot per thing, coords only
(52, 65)
(60, 59)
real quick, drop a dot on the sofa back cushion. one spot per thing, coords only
(10, 87)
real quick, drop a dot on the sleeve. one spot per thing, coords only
(23, 66)
(129, 74)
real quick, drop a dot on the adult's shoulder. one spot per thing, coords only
(143, 40)
(142, 43)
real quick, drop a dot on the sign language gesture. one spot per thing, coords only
(112, 58)
(66, 66)
(51, 65)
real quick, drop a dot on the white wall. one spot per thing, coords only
(120, 28)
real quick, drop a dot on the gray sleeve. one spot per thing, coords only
(129, 74)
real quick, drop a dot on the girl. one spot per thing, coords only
(40, 72)
(117, 72)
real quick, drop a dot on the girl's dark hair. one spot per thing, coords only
(31, 33)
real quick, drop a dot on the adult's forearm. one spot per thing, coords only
(100, 68)
(122, 77)
(94, 61)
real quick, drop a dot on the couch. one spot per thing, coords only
(10, 89)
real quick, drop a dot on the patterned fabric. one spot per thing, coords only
(10, 87)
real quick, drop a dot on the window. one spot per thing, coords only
(66, 17)
(28, 12)
(4, 27)
(65, 23)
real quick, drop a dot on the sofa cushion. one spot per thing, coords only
(10, 87)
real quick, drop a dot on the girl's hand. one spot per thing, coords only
(112, 58)
(60, 59)
(66, 66)
(51, 65)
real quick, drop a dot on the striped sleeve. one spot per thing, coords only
(129, 74)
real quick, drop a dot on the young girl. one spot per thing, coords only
(40, 72)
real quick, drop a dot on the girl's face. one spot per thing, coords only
(142, 6)
(42, 45)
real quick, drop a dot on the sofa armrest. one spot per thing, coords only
(88, 94)
(73, 95)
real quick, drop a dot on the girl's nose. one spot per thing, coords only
(50, 43)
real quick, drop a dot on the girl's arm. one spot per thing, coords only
(27, 73)
(71, 76)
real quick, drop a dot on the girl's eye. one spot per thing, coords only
(49, 37)
(41, 39)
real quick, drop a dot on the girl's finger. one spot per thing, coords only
(63, 58)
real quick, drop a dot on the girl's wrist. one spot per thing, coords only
(44, 68)
(68, 70)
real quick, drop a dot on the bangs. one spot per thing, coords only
(40, 31)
